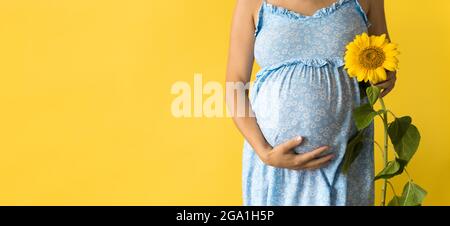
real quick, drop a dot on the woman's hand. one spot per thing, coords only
(389, 84)
(282, 156)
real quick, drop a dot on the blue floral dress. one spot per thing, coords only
(303, 89)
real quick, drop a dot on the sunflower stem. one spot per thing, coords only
(392, 187)
(385, 150)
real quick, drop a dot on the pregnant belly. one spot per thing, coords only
(315, 103)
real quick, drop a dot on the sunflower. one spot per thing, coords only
(368, 58)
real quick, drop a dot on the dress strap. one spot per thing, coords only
(259, 22)
(360, 9)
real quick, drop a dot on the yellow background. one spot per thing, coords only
(85, 101)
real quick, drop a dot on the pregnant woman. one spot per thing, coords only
(299, 109)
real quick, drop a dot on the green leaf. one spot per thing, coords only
(373, 92)
(392, 169)
(395, 201)
(398, 128)
(353, 149)
(363, 116)
(405, 137)
(408, 145)
(413, 195)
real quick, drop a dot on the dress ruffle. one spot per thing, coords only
(316, 62)
(319, 13)
(278, 10)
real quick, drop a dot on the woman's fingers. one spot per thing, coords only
(387, 85)
(319, 163)
(290, 144)
(384, 85)
(310, 160)
(386, 91)
(306, 157)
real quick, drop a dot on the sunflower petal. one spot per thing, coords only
(392, 59)
(364, 41)
(392, 53)
(381, 74)
(362, 76)
(389, 65)
(370, 75)
(389, 47)
(378, 40)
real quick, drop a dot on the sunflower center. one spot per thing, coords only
(372, 57)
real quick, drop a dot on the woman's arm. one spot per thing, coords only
(377, 18)
(240, 63)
